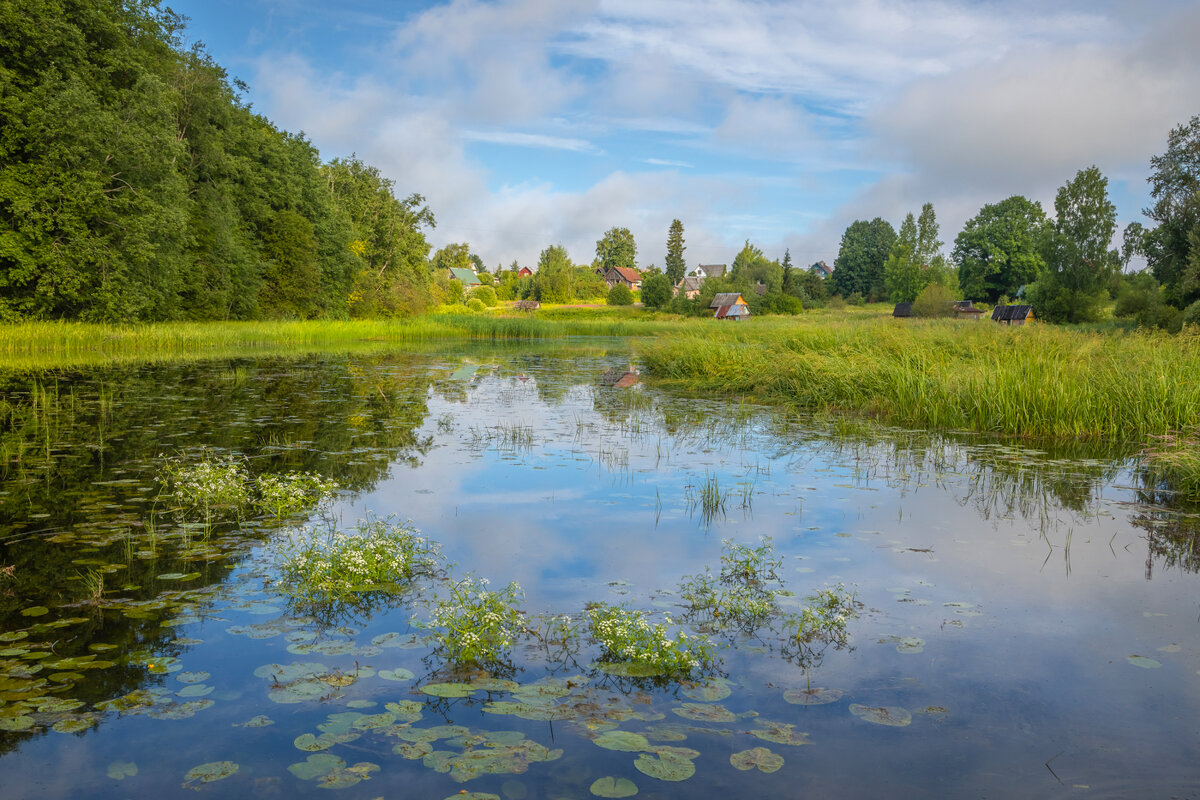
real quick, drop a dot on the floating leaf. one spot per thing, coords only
(35, 611)
(622, 740)
(882, 715)
(311, 744)
(495, 685)
(702, 712)
(374, 721)
(192, 677)
(76, 724)
(814, 696)
(760, 757)
(207, 773)
(473, 796)
(665, 767)
(1145, 662)
(613, 787)
(628, 669)
(448, 689)
(530, 711)
(398, 674)
(316, 766)
(405, 710)
(779, 733)
(260, 721)
(195, 690)
(58, 705)
(120, 770)
(18, 723)
(178, 576)
(708, 691)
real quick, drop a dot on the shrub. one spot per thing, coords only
(825, 618)
(855, 299)
(1191, 314)
(293, 493)
(626, 635)
(476, 305)
(620, 295)
(656, 291)
(486, 294)
(477, 626)
(934, 300)
(214, 485)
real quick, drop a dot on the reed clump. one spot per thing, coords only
(1173, 460)
(1036, 380)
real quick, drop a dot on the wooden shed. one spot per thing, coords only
(729, 305)
(965, 309)
(526, 305)
(1012, 315)
(902, 310)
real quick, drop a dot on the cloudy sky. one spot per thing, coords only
(533, 122)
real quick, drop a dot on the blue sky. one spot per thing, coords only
(527, 123)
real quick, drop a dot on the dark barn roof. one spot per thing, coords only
(902, 310)
(1010, 313)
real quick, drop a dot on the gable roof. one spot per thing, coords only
(822, 268)
(467, 276)
(691, 283)
(630, 275)
(712, 270)
(1010, 313)
(726, 299)
(902, 310)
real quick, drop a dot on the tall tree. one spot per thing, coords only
(1173, 247)
(864, 250)
(904, 272)
(676, 267)
(552, 281)
(789, 284)
(617, 249)
(928, 246)
(1000, 249)
(452, 256)
(1079, 258)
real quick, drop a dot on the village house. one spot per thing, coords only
(689, 287)
(1012, 315)
(467, 276)
(902, 310)
(524, 272)
(625, 275)
(730, 305)
(965, 309)
(822, 269)
(704, 271)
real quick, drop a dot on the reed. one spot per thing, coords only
(946, 374)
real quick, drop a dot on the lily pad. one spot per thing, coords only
(192, 677)
(75, 724)
(882, 715)
(703, 712)
(665, 767)
(312, 744)
(398, 674)
(260, 721)
(195, 690)
(35, 611)
(760, 757)
(315, 766)
(207, 773)
(120, 770)
(405, 710)
(1145, 662)
(779, 733)
(814, 696)
(613, 787)
(473, 796)
(709, 691)
(622, 740)
(19, 723)
(628, 669)
(448, 689)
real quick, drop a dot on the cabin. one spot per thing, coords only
(526, 305)
(902, 310)
(625, 275)
(467, 276)
(689, 287)
(1012, 315)
(965, 309)
(703, 271)
(730, 305)
(821, 269)
(524, 272)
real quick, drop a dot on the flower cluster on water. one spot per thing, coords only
(626, 634)
(222, 486)
(742, 595)
(293, 493)
(335, 565)
(476, 625)
(824, 619)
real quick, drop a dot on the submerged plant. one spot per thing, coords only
(476, 625)
(216, 486)
(379, 555)
(824, 619)
(627, 635)
(293, 493)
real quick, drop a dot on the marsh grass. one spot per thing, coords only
(1173, 460)
(1036, 380)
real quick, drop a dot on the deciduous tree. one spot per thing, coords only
(1000, 249)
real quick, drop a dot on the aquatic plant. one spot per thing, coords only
(742, 594)
(333, 565)
(293, 493)
(475, 625)
(626, 635)
(214, 485)
(1174, 460)
(824, 618)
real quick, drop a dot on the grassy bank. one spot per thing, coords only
(47, 344)
(1037, 380)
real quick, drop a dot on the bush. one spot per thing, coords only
(486, 295)
(855, 299)
(782, 304)
(620, 295)
(476, 305)
(1191, 314)
(656, 291)
(475, 625)
(934, 300)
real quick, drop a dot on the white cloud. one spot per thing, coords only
(531, 140)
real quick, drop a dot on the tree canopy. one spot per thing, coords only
(1173, 248)
(675, 265)
(861, 257)
(1000, 249)
(616, 249)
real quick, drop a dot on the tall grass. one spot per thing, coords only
(948, 374)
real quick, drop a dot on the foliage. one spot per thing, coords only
(861, 257)
(934, 300)
(292, 493)
(475, 625)
(335, 566)
(675, 265)
(475, 305)
(927, 247)
(620, 295)
(214, 485)
(1000, 249)
(452, 256)
(1079, 262)
(616, 249)
(552, 281)
(903, 274)
(824, 618)
(485, 294)
(627, 635)
(1174, 461)
(742, 594)
(1140, 297)
(751, 267)
(656, 290)
(1172, 249)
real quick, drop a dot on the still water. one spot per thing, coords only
(1029, 611)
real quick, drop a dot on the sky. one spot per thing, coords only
(526, 123)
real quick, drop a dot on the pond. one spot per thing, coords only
(1021, 618)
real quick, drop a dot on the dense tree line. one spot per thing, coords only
(136, 184)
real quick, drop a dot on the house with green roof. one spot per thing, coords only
(467, 276)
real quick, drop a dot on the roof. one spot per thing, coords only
(726, 299)
(822, 267)
(966, 307)
(712, 270)
(902, 310)
(630, 275)
(691, 283)
(524, 271)
(467, 276)
(1010, 313)
(760, 288)
(733, 310)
